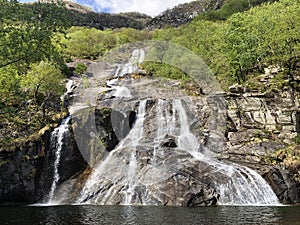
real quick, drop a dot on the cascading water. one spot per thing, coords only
(186, 139)
(137, 56)
(131, 179)
(243, 187)
(237, 185)
(161, 162)
(129, 171)
(57, 138)
(135, 135)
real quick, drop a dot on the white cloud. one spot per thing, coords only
(150, 7)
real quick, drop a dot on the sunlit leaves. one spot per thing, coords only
(26, 32)
(43, 77)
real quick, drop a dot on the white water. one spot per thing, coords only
(186, 139)
(57, 137)
(70, 87)
(122, 92)
(135, 136)
(131, 140)
(243, 186)
(238, 185)
(161, 125)
(131, 66)
(131, 179)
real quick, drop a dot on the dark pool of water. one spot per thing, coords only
(59, 215)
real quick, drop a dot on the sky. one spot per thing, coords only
(149, 7)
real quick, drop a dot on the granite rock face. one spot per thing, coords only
(26, 173)
(168, 157)
(260, 125)
(183, 13)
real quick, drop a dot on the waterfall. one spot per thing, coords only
(161, 124)
(243, 187)
(135, 135)
(95, 191)
(57, 138)
(131, 179)
(161, 161)
(131, 66)
(186, 139)
(124, 178)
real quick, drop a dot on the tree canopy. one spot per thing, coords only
(26, 33)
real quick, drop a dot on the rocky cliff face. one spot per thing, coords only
(18, 174)
(159, 166)
(183, 13)
(155, 162)
(78, 15)
(260, 127)
(26, 173)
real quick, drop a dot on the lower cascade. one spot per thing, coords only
(57, 138)
(161, 162)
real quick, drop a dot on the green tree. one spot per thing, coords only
(43, 77)
(26, 32)
(240, 46)
(265, 35)
(9, 81)
(83, 42)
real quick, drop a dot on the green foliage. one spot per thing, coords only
(245, 43)
(206, 40)
(26, 33)
(9, 80)
(264, 35)
(164, 70)
(83, 42)
(43, 77)
(297, 139)
(80, 68)
(90, 43)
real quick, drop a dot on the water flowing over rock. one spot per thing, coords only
(165, 155)
(142, 171)
(57, 138)
(165, 159)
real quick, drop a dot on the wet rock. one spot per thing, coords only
(207, 197)
(169, 142)
(18, 173)
(284, 185)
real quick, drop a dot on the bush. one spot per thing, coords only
(80, 68)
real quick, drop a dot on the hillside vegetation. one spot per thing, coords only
(236, 49)
(37, 40)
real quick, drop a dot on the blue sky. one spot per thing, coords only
(150, 7)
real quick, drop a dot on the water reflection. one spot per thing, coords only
(121, 215)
